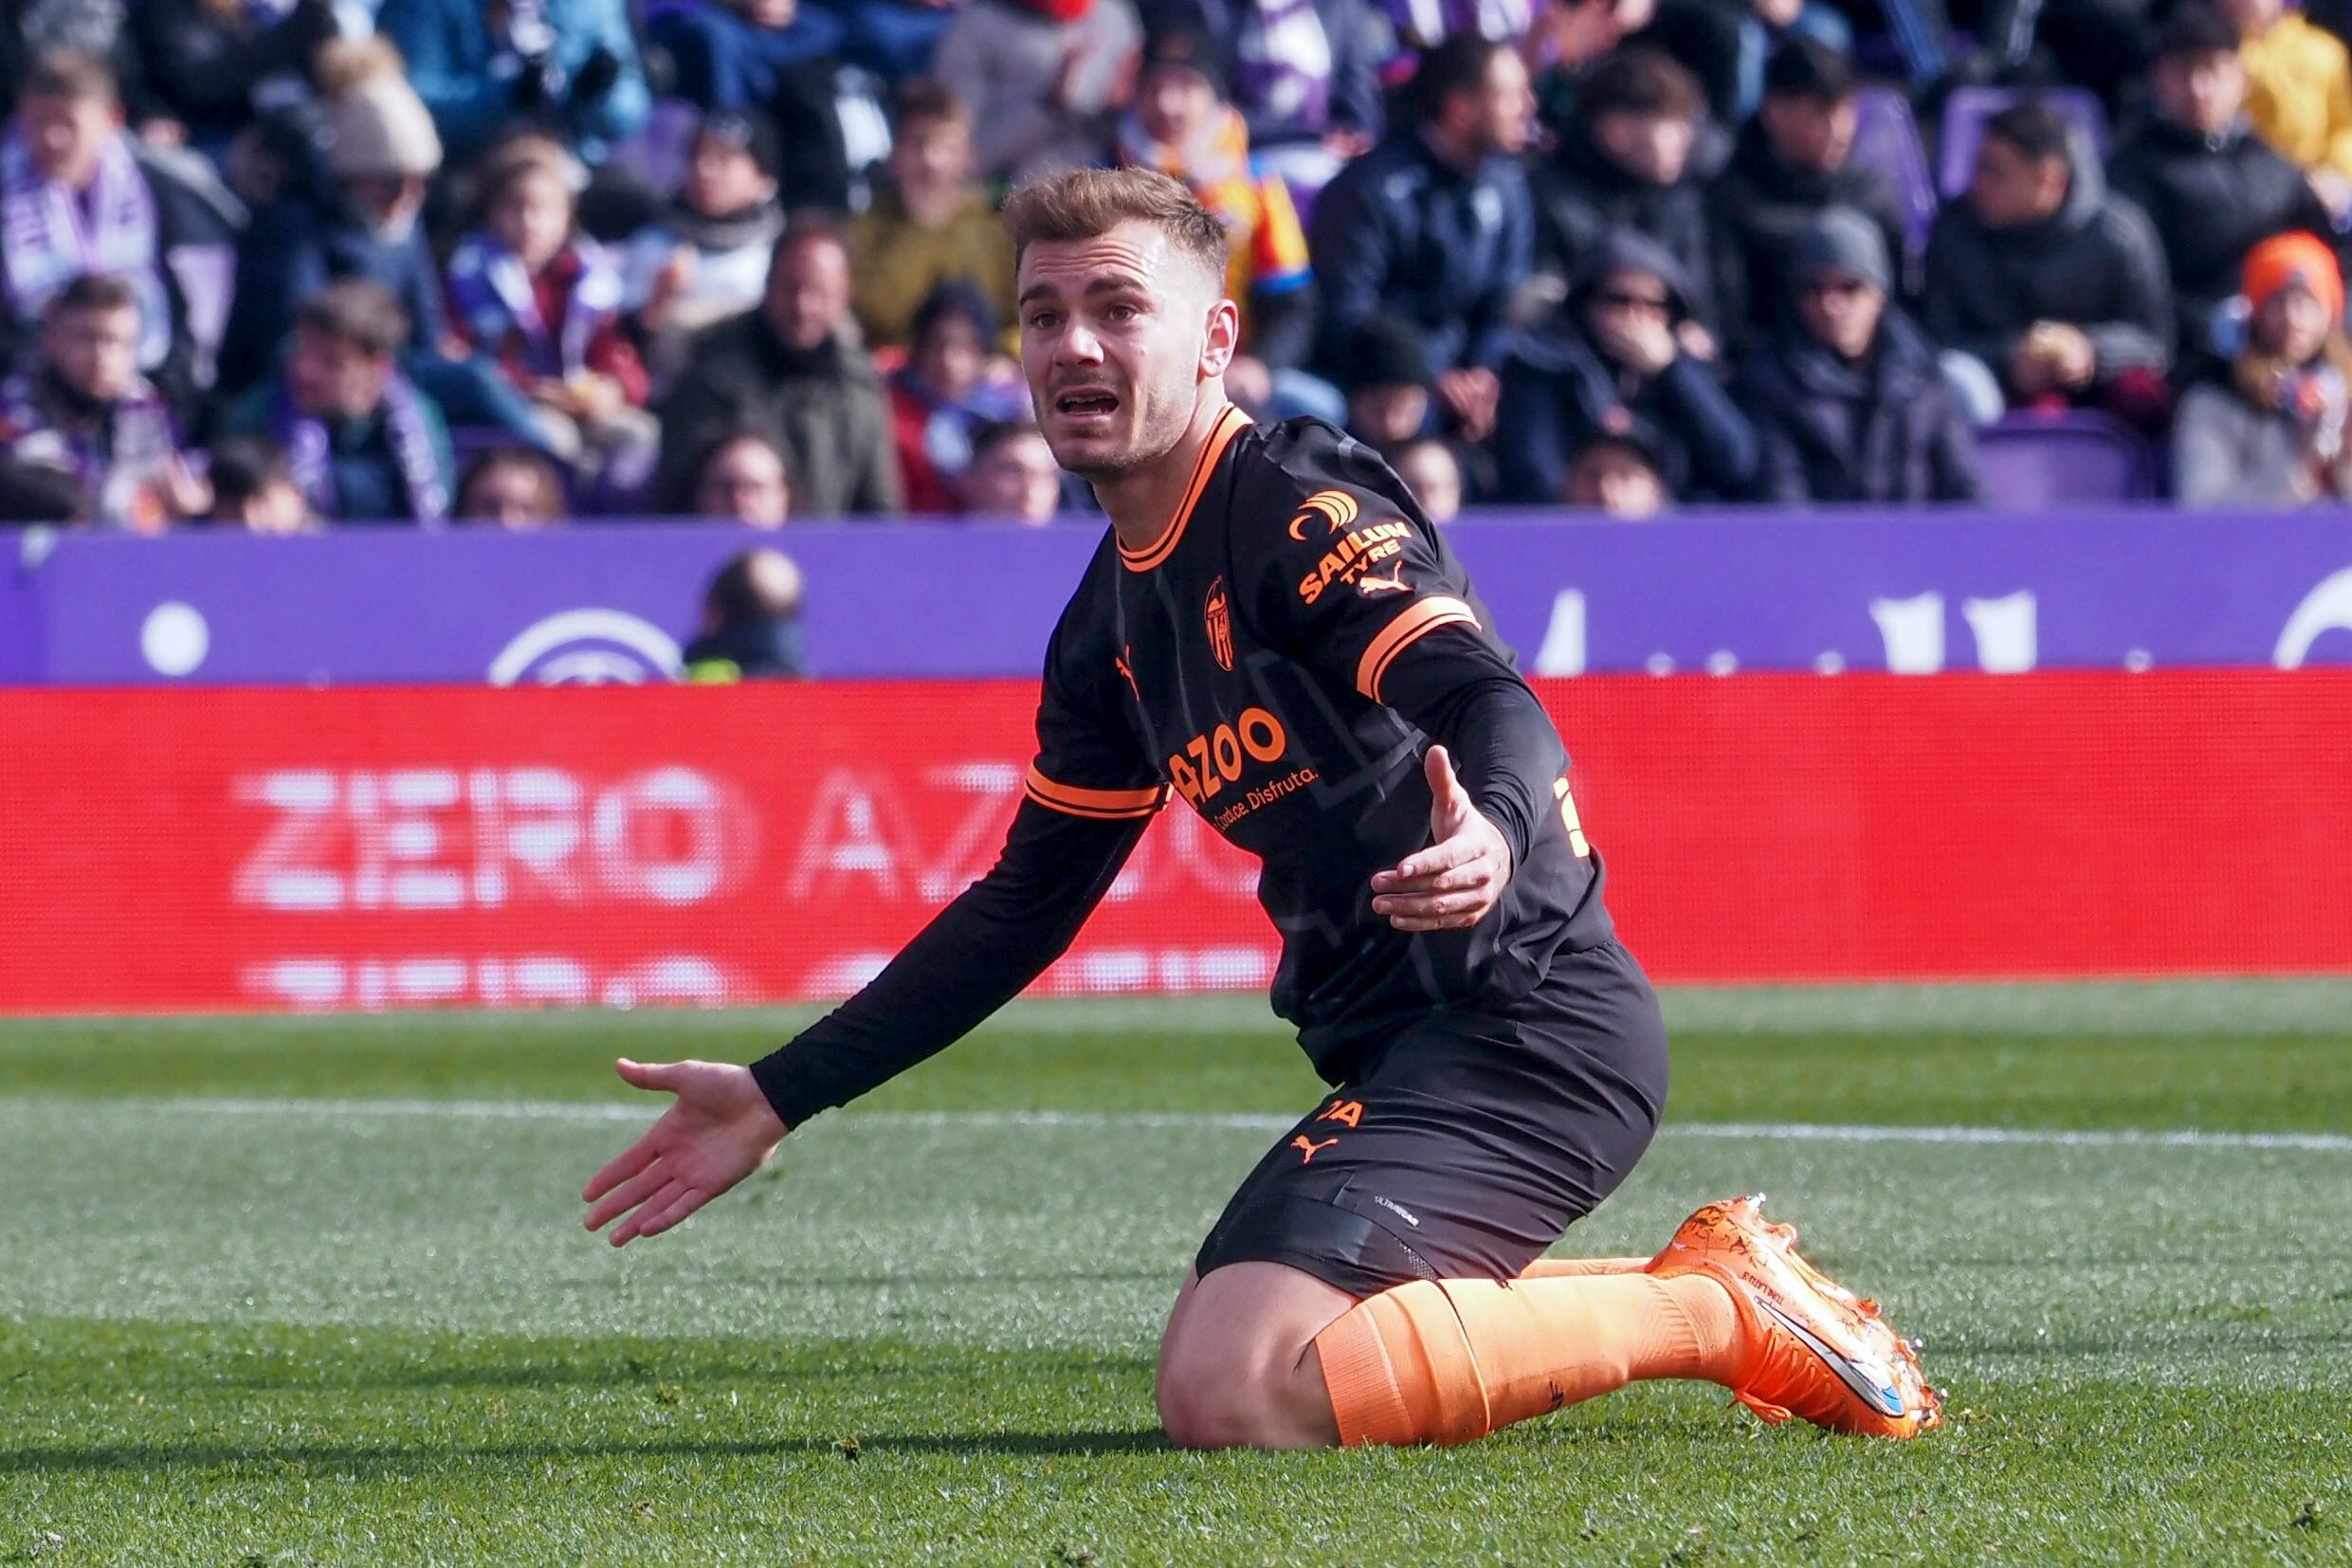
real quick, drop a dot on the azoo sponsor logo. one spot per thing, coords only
(587, 647)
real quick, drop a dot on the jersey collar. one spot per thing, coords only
(1229, 423)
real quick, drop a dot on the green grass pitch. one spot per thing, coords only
(295, 1291)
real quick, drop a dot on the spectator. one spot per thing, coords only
(1046, 77)
(751, 622)
(734, 54)
(515, 487)
(35, 493)
(708, 256)
(930, 223)
(544, 299)
(787, 367)
(84, 409)
(209, 63)
(2272, 434)
(1435, 223)
(1614, 362)
(1615, 473)
(254, 490)
(1385, 374)
(1848, 400)
(1183, 126)
(1792, 161)
(2057, 287)
(2211, 188)
(481, 66)
(743, 476)
(1434, 474)
(945, 390)
(2298, 93)
(362, 443)
(1013, 476)
(74, 200)
(1625, 164)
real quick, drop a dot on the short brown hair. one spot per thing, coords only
(92, 291)
(358, 310)
(1640, 80)
(68, 74)
(1082, 204)
(926, 103)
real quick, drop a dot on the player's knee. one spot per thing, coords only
(1231, 1411)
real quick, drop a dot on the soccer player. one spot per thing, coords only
(1273, 630)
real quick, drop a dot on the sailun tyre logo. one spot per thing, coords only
(587, 647)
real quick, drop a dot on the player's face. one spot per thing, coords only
(1117, 334)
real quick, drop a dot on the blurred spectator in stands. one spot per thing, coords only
(2273, 432)
(707, 258)
(1613, 361)
(743, 476)
(2298, 93)
(34, 493)
(1046, 79)
(731, 54)
(74, 200)
(481, 65)
(1385, 374)
(97, 29)
(1013, 476)
(2211, 188)
(751, 622)
(930, 223)
(1305, 75)
(1794, 159)
(253, 488)
(515, 487)
(1183, 126)
(1624, 163)
(365, 445)
(1434, 474)
(894, 39)
(2054, 285)
(1435, 223)
(84, 409)
(1616, 472)
(544, 300)
(789, 367)
(1848, 399)
(948, 388)
(213, 61)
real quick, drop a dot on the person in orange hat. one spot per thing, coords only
(2272, 434)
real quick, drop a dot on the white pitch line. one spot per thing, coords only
(558, 1110)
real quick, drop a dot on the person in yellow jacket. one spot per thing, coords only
(931, 224)
(2298, 93)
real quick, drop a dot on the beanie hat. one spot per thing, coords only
(1843, 239)
(2294, 261)
(382, 129)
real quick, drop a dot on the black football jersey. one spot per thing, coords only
(1265, 659)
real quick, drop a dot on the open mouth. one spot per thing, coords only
(1086, 403)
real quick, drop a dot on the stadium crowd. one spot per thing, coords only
(286, 263)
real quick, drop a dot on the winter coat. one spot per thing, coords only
(825, 406)
(465, 74)
(1580, 195)
(723, 61)
(1399, 230)
(894, 263)
(1041, 91)
(1300, 68)
(2226, 451)
(2212, 199)
(294, 246)
(2094, 265)
(1559, 388)
(205, 63)
(1759, 206)
(1888, 430)
(2299, 93)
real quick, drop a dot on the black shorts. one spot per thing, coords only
(1470, 1144)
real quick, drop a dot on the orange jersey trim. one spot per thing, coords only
(1104, 804)
(1413, 623)
(1230, 423)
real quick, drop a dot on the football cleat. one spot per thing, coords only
(1821, 1351)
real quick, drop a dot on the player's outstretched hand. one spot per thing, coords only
(720, 1131)
(1450, 885)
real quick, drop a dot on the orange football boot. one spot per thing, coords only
(1821, 1351)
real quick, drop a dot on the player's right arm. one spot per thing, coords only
(1089, 798)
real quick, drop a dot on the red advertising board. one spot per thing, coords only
(239, 849)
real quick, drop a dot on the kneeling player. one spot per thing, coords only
(1274, 630)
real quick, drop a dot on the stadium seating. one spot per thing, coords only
(1968, 108)
(2032, 460)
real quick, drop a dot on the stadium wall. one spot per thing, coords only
(468, 847)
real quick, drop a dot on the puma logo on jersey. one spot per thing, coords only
(1395, 583)
(1353, 555)
(1335, 507)
(1310, 1150)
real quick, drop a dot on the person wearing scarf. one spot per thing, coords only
(545, 301)
(362, 443)
(707, 258)
(2273, 436)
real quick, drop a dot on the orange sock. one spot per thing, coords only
(1448, 1361)
(1573, 1268)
